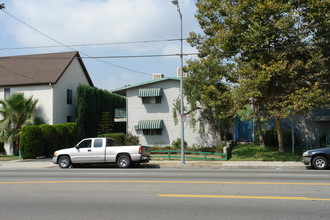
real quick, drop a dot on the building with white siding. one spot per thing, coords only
(51, 78)
(149, 114)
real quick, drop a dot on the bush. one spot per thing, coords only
(73, 133)
(31, 142)
(131, 139)
(63, 136)
(50, 139)
(118, 137)
(177, 143)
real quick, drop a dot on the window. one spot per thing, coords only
(98, 142)
(150, 95)
(68, 118)
(85, 144)
(152, 131)
(69, 96)
(110, 142)
(152, 100)
(151, 127)
(7, 93)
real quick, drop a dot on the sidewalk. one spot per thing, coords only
(47, 163)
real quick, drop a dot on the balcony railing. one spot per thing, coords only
(120, 113)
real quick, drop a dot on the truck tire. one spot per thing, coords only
(64, 162)
(320, 163)
(124, 161)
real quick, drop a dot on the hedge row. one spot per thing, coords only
(122, 139)
(91, 103)
(43, 140)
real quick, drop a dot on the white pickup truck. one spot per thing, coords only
(101, 150)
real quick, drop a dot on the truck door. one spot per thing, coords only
(98, 151)
(82, 152)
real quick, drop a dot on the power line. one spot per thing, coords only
(103, 61)
(90, 44)
(96, 57)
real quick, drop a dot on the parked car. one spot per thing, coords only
(101, 150)
(317, 158)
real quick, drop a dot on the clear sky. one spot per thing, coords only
(103, 22)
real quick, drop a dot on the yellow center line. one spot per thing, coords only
(243, 197)
(176, 182)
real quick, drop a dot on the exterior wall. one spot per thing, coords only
(72, 77)
(307, 128)
(44, 95)
(137, 111)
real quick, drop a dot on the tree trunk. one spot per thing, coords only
(279, 135)
(218, 135)
(260, 134)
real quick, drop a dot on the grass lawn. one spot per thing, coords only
(257, 153)
(8, 158)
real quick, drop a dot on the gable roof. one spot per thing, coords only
(122, 90)
(37, 69)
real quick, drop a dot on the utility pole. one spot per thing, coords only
(176, 3)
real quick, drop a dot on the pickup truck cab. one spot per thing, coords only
(101, 150)
(317, 158)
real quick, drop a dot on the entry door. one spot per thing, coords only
(82, 153)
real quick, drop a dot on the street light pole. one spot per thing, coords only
(176, 2)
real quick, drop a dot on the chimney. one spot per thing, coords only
(157, 76)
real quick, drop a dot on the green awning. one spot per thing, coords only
(150, 92)
(150, 124)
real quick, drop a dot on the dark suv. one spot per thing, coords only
(317, 158)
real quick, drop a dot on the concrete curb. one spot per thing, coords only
(47, 163)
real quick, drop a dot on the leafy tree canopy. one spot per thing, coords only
(16, 112)
(272, 54)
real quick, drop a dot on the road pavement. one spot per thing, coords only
(163, 194)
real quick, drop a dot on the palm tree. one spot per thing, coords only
(15, 113)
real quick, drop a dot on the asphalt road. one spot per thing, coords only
(164, 194)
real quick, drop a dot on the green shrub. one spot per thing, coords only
(177, 143)
(73, 133)
(118, 137)
(63, 136)
(131, 139)
(31, 142)
(91, 102)
(50, 139)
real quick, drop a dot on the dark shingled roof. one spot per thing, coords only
(37, 69)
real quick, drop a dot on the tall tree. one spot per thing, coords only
(277, 51)
(16, 112)
(205, 91)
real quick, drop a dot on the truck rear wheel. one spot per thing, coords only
(64, 162)
(124, 161)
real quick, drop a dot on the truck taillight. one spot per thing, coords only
(140, 150)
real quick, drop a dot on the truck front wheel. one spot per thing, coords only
(64, 162)
(320, 163)
(124, 161)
